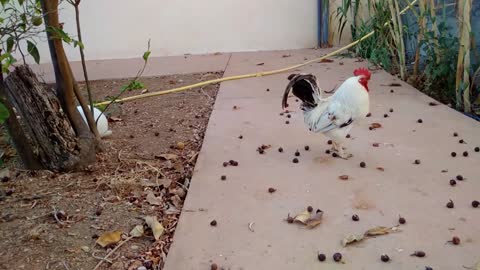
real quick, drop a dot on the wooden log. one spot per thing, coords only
(42, 134)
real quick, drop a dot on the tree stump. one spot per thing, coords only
(41, 131)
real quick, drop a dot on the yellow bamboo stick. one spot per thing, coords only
(252, 75)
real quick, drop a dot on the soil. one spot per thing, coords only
(52, 221)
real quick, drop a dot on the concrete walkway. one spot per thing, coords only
(417, 192)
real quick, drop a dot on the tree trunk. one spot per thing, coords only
(40, 129)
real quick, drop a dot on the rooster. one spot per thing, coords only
(333, 116)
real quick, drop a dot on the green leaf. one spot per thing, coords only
(3, 113)
(146, 55)
(3, 2)
(21, 2)
(33, 51)
(10, 43)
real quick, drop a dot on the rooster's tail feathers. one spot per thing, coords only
(304, 87)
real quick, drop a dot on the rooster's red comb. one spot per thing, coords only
(362, 71)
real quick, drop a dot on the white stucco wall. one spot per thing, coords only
(120, 28)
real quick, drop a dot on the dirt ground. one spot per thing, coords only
(52, 221)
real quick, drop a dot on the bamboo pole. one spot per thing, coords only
(462, 82)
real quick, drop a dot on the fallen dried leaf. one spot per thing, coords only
(165, 182)
(375, 125)
(380, 169)
(326, 60)
(302, 217)
(315, 219)
(286, 55)
(109, 238)
(217, 53)
(153, 200)
(250, 226)
(115, 119)
(137, 231)
(432, 103)
(178, 166)
(260, 64)
(157, 227)
(166, 156)
(352, 239)
(375, 144)
(144, 91)
(343, 177)
(177, 201)
(85, 248)
(380, 230)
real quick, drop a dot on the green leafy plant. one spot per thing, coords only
(133, 84)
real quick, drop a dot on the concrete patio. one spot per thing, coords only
(417, 192)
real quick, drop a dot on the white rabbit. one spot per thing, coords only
(102, 123)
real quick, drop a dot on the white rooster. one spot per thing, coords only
(334, 115)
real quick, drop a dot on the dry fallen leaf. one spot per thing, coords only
(137, 231)
(157, 227)
(165, 182)
(326, 60)
(380, 169)
(311, 221)
(302, 217)
(343, 177)
(352, 239)
(375, 144)
(144, 91)
(153, 200)
(286, 55)
(167, 156)
(178, 166)
(380, 230)
(115, 119)
(217, 53)
(177, 201)
(375, 125)
(109, 238)
(315, 219)
(260, 64)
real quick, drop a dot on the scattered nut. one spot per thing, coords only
(321, 257)
(385, 115)
(337, 256)
(309, 209)
(391, 110)
(461, 141)
(355, 217)
(475, 204)
(460, 177)
(329, 142)
(455, 134)
(214, 266)
(455, 240)
(307, 147)
(418, 253)
(363, 164)
(297, 153)
(240, 137)
(369, 114)
(419, 121)
(465, 154)
(450, 204)
(271, 190)
(453, 154)
(213, 223)
(295, 160)
(477, 149)
(453, 182)
(223, 177)
(384, 258)
(402, 220)
(417, 161)
(280, 149)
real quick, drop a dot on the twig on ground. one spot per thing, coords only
(113, 251)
